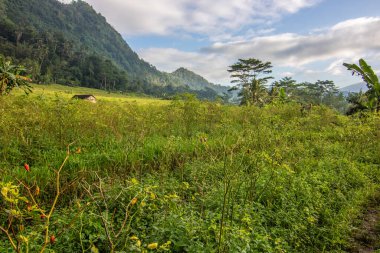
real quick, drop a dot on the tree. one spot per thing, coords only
(371, 79)
(246, 73)
(321, 92)
(357, 102)
(325, 88)
(287, 83)
(284, 88)
(10, 77)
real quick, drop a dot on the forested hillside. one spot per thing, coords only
(197, 82)
(72, 44)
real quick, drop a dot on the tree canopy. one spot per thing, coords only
(72, 44)
(366, 72)
(250, 76)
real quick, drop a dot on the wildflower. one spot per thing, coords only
(153, 245)
(134, 238)
(42, 216)
(134, 181)
(23, 238)
(166, 246)
(37, 191)
(186, 185)
(133, 201)
(52, 239)
(94, 249)
(14, 212)
(78, 151)
(26, 166)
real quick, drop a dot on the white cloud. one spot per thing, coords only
(287, 74)
(344, 42)
(354, 23)
(335, 68)
(207, 17)
(66, 1)
(341, 41)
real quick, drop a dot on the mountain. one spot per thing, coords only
(197, 82)
(73, 44)
(357, 87)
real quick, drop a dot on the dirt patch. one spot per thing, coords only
(367, 236)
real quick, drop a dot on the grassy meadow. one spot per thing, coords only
(132, 174)
(56, 90)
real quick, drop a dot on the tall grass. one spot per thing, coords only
(205, 177)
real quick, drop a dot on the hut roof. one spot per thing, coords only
(88, 97)
(84, 96)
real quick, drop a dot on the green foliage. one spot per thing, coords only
(371, 79)
(357, 102)
(11, 77)
(246, 73)
(190, 176)
(71, 44)
(318, 93)
(197, 82)
(23, 219)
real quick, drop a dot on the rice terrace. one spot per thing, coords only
(100, 151)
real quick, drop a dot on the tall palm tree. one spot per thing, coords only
(247, 73)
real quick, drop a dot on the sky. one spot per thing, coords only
(305, 39)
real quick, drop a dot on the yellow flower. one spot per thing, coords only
(15, 212)
(166, 246)
(134, 238)
(153, 245)
(37, 191)
(4, 191)
(133, 201)
(134, 181)
(23, 238)
(94, 249)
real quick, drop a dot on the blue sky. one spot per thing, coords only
(305, 39)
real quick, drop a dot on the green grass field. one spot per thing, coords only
(147, 175)
(51, 90)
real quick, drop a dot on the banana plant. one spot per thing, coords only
(11, 77)
(371, 79)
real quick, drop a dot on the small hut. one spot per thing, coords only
(90, 98)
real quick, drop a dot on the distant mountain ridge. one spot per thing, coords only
(357, 87)
(73, 44)
(197, 82)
